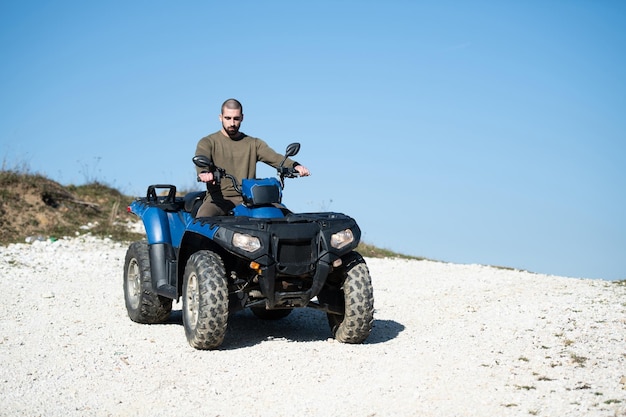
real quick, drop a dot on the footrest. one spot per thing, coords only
(168, 291)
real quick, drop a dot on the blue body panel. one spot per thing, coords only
(178, 222)
(248, 186)
(204, 230)
(269, 212)
(162, 226)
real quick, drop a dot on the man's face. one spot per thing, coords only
(231, 121)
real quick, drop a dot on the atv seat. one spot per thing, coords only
(193, 201)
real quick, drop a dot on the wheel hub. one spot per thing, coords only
(192, 301)
(134, 284)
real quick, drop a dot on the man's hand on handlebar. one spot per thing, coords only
(302, 170)
(206, 177)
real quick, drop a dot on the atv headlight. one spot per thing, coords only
(246, 242)
(341, 239)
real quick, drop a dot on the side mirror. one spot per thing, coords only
(292, 149)
(203, 162)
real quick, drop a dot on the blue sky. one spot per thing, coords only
(490, 132)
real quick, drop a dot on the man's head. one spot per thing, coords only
(231, 117)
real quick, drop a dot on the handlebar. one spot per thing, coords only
(285, 172)
(219, 173)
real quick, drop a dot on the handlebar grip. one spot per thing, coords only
(288, 172)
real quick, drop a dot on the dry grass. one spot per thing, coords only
(372, 251)
(31, 205)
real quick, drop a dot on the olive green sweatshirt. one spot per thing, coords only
(238, 157)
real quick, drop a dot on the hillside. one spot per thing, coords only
(33, 205)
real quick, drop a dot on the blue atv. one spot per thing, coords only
(261, 256)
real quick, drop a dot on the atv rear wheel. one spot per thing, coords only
(142, 303)
(205, 300)
(356, 299)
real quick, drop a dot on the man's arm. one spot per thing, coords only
(204, 148)
(273, 158)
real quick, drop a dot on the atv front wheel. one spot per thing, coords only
(142, 303)
(356, 296)
(205, 300)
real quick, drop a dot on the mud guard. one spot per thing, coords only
(163, 270)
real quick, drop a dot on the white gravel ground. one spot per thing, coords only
(448, 340)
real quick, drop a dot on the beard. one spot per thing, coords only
(231, 130)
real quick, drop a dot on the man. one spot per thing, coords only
(237, 153)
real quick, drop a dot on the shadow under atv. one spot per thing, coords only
(302, 325)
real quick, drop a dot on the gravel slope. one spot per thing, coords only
(448, 340)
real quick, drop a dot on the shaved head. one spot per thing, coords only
(232, 104)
